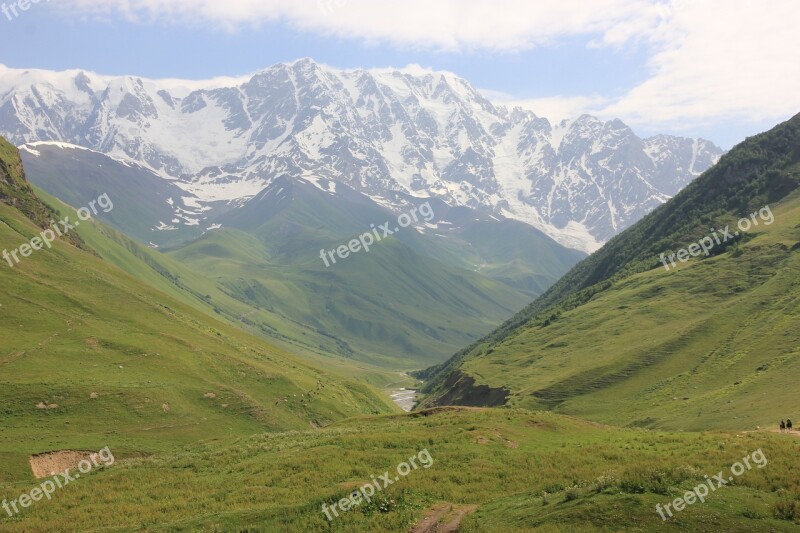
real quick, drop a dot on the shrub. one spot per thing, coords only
(639, 480)
(605, 482)
(571, 494)
(786, 510)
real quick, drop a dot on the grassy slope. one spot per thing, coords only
(72, 325)
(15, 191)
(78, 176)
(709, 344)
(594, 477)
(714, 343)
(512, 252)
(172, 278)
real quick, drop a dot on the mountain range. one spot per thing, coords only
(392, 134)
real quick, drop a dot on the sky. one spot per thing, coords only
(718, 69)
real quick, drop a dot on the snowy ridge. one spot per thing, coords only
(385, 132)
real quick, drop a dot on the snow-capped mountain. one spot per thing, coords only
(387, 133)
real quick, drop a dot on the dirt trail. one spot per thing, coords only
(795, 434)
(443, 518)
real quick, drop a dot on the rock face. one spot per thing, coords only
(16, 192)
(386, 133)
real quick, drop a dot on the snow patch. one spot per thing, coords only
(27, 148)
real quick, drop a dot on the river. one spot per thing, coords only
(405, 398)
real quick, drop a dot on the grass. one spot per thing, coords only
(525, 470)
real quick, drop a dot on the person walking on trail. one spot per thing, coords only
(783, 426)
(789, 424)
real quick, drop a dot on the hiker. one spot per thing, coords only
(783, 426)
(789, 424)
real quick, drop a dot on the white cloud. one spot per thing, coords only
(553, 108)
(451, 25)
(708, 60)
(712, 60)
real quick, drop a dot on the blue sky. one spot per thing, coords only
(621, 61)
(159, 50)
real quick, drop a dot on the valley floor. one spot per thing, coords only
(477, 469)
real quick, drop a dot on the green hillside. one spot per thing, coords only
(76, 176)
(508, 251)
(711, 343)
(91, 357)
(16, 192)
(409, 316)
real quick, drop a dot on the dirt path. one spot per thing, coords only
(795, 434)
(443, 518)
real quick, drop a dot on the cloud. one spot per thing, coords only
(553, 108)
(709, 63)
(708, 60)
(448, 25)
(712, 61)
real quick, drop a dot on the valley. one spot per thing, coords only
(212, 403)
(399, 267)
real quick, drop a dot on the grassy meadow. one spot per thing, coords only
(526, 471)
